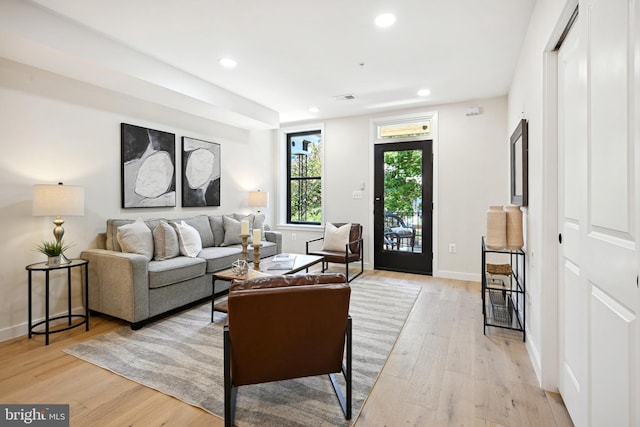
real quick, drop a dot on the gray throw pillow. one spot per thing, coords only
(258, 222)
(231, 231)
(202, 226)
(217, 227)
(165, 242)
(136, 238)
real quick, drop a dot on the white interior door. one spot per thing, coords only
(598, 294)
(573, 289)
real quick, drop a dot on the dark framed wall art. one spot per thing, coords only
(520, 164)
(148, 167)
(200, 173)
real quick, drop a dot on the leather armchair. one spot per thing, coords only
(284, 327)
(353, 251)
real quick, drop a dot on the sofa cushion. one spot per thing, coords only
(336, 238)
(222, 257)
(188, 239)
(174, 270)
(217, 227)
(136, 238)
(218, 257)
(267, 249)
(165, 242)
(203, 227)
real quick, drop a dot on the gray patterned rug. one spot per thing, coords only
(182, 356)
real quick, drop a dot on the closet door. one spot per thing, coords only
(573, 287)
(598, 293)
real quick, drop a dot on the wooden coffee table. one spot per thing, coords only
(301, 262)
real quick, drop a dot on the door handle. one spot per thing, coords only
(560, 238)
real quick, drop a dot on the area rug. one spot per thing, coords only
(182, 356)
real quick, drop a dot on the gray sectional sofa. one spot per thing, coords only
(129, 285)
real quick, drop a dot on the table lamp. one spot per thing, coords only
(258, 199)
(58, 200)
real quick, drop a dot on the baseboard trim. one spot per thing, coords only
(21, 329)
(456, 275)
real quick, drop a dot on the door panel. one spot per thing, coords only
(403, 174)
(609, 134)
(610, 261)
(611, 331)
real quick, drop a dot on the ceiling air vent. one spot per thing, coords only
(347, 97)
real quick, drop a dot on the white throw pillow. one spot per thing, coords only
(136, 238)
(165, 242)
(188, 239)
(336, 238)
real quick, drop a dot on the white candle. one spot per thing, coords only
(244, 227)
(256, 236)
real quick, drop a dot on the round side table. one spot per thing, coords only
(42, 266)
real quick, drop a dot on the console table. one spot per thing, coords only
(43, 267)
(504, 289)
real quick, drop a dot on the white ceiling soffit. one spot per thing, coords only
(294, 55)
(34, 36)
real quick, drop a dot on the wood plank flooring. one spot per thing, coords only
(442, 372)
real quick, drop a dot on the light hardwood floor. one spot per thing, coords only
(442, 372)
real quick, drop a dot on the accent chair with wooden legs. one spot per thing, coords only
(285, 327)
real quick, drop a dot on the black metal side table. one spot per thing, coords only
(42, 266)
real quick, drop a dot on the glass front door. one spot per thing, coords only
(403, 207)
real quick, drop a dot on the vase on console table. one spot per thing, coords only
(496, 227)
(515, 238)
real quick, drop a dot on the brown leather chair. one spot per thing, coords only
(284, 327)
(353, 251)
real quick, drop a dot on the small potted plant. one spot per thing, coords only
(53, 250)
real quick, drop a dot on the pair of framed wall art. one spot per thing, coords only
(149, 169)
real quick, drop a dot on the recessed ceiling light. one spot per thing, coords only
(228, 63)
(385, 20)
(314, 109)
(424, 92)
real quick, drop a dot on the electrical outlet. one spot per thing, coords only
(452, 248)
(293, 236)
(357, 194)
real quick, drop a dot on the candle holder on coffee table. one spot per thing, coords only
(256, 256)
(245, 239)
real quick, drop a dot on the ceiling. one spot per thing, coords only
(296, 54)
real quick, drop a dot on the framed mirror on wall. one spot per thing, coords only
(519, 164)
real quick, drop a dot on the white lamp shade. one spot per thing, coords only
(258, 199)
(58, 200)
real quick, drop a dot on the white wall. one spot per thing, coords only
(527, 98)
(56, 129)
(472, 156)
